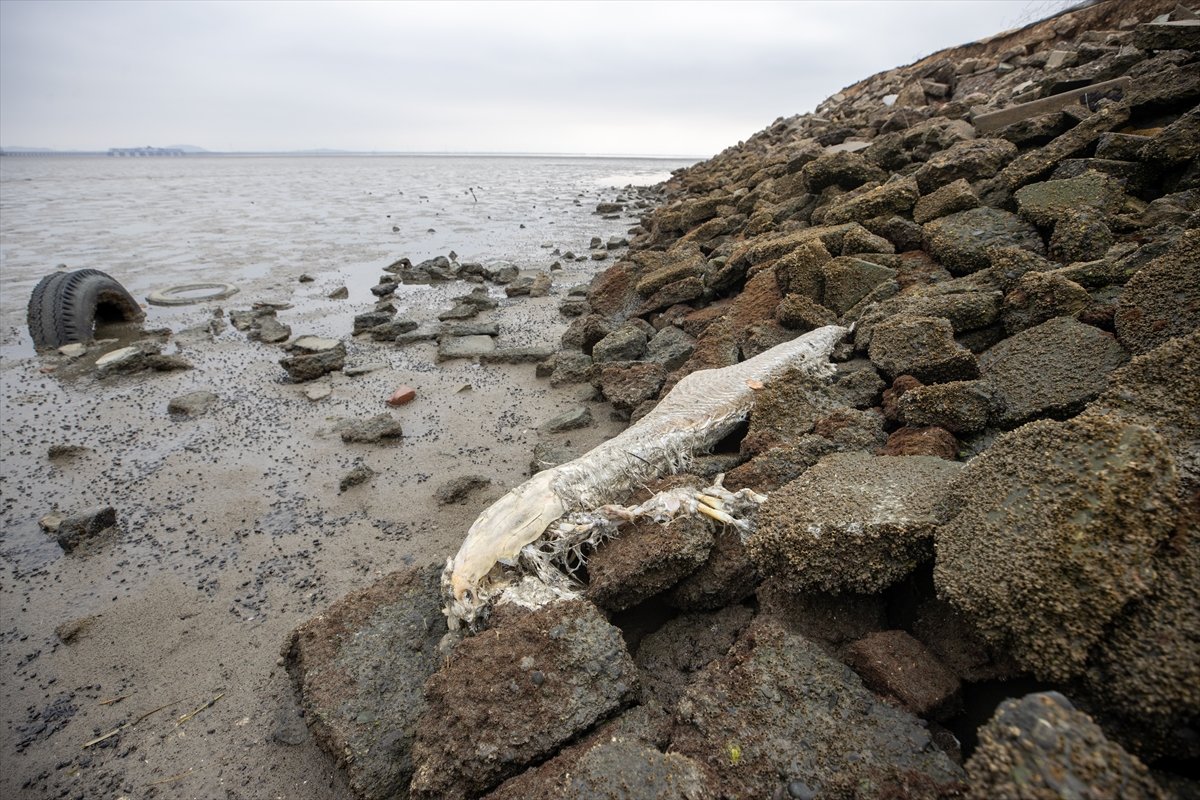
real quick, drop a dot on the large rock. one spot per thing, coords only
(923, 347)
(893, 663)
(852, 523)
(894, 197)
(728, 576)
(1162, 299)
(646, 559)
(669, 658)
(944, 200)
(627, 343)
(1047, 202)
(359, 669)
(961, 242)
(848, 280)
(777, 717)
(1041, 296)
(628, 385)
(969, 160)
(1039, 747)
(83, 526)
(847, 170)
(510, 697)
(313, 357)
(671, 347)
(1054, 530)
(1051, 370)
(958, 406)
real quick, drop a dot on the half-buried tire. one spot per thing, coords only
(66, 306)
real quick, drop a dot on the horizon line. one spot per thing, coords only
(326, 151)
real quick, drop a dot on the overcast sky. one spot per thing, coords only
(675, 78)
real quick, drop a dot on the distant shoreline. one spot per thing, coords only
(339, 154)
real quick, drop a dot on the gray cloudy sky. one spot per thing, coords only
(681, 78)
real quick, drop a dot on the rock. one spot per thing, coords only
(1090, 499)
(458, 490)
(358, 474)
(728, 576)
(627, 343)
(460, 311)
(894, 197)
(470, 329)
(340, 293)
(574, 307)
(548, 454)
(970, 160)
(1047, 202)
(891, 397)
(1038, 162)
(192, 404)
(1158, 390)
(958, 406)
(646, 559)
(626, 386)
(370, 430)
(1039, 297)
(1121, 146)
(384, 289)
(584, 332)
(670, 347)
(786, 409)
(363, 368)
(313, 357)
(402, 395)
(1038, 109)
(918, 441)
(847, 170)
(318, 391)
(922, 347)
(569, 420)
(359, 669)
(609, 208)
(860, 240)
(1080, 236)
(1051, 370)
(941, 628)
(83, 526)
(1175, 144)
(797, 312)
(517, 355)
(487, 718)
(669, 658)
(570, 368)
(829, 620)
(1035, 746)
(893, 663)
(451, 347)
(961, 242)
(271, 330)
(1170, 35)
(388, 331)
(426, 332)
(945, 200)
(848, 280)
(1162, 299)
(772, 715)
(853, 522)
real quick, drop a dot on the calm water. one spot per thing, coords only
(154, 222)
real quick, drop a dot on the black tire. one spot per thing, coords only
(64, 306)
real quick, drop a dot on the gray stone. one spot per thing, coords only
(852, 523)
(958, 406)
(310, 364)
(961, 242)
(549, 454)
(972, 160)
(923, 347)
(83, 526)
(945, 200)
(848, 280)
(359, 669)
(570, 368)
(460, 311)
(669, 658)
(1047, 202)
(450, 347)
(192, 404)
(1050, 370)
(1041, 296)
(894, 197)
(626, 386)
(1181, 34)
(627, 343)
(1034, 746)
(370, 430)
(488, 718)
(671, 347)
(358, 474)
(460, 489)
(271, 330)
(1162, 300)
(578, 417)
(388, 331)
(776, 712)
(364, 322)
(1080, 236)
(1072, 511)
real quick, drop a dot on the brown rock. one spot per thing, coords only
(927, 441)
(895, 664)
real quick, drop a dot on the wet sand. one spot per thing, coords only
(232, 530)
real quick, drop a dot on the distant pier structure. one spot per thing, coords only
(144, 151)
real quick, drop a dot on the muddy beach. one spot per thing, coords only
(232, 523)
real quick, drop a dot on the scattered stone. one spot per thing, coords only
(313, 358)
(460, 311)
(517, 355)
(402, 395)
(450, 347)
(340, 293)
(359, 473)
(458, 490)
(393, 328)
(363, 368)
(84, 526)
(550, 454)
(1034, 746)
(1047, 202)
(318, 390)
(370, 430)
(371, 319)
(73, 350)
(578, 417)
(1090, 499)
(853, 522)
(192, 404)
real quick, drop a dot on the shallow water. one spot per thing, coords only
(157, 222)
